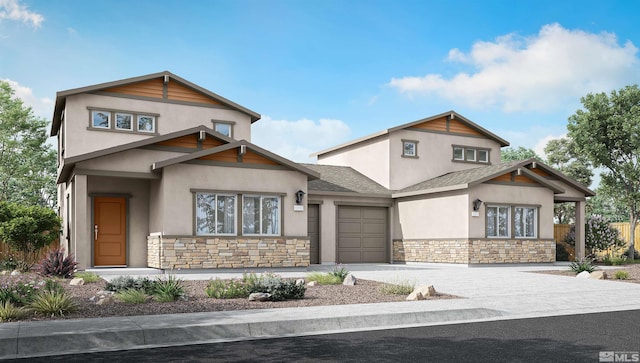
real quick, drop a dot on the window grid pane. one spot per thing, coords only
(223, 128)
(470, 154)
(146, 123)
(124, 121)
(101, 119)
(458, 153)
(483, 156)
(215, 214)
(409, 148)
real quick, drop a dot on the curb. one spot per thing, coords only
(33, 339)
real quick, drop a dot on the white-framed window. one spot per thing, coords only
(498, 219)
(483, 156)
(410, 148)
(261, 215)
(525, 222)
(124, 121)
(470, 154)
(458, 153)
(146, 123)
(215, 214)
(100, 119)
(223, 128)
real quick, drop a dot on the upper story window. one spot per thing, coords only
(409, 148)
(122, 121)
(223, 127)
(470, 154)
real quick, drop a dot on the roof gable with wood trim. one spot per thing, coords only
(163, 87)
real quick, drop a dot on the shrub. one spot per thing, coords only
(88, 277)
(599, 235)
(230, 289)
(168, 290)
(56, 264)
(131, 296)
(17, 292)
(127, 282)
(9, 262)
(9, 312)
(53, 303)
(636, 254)
(324, 279)
(28, 229)
(397, 288)
(52, 285)
(279, 288)
(621, 275)
(583, 264)
(340, 272)
(561, 252)
(614, 261)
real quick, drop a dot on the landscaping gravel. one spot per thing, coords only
(632, 270)
(364, 291)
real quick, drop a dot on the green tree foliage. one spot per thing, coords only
(28, 229)
(562, 155)
(599, 235)
(27, 162)
(607, 206)
(521, 153)
(607, 132)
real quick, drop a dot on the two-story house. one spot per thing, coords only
(156, 171)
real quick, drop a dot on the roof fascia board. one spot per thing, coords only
(541, 180)
(353, 142)
(348, 194)
(562, 177)
(431, 191)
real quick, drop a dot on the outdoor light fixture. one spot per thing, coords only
(299, 195)
(476, 204)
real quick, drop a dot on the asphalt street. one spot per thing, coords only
(569, 338)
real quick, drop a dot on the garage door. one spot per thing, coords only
(362, 234)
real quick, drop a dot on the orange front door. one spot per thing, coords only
(109, 231)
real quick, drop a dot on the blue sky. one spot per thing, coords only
(325, 72)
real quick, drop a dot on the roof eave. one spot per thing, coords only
(447, 188)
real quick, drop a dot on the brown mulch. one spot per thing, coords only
(633, 271)
(365, 291)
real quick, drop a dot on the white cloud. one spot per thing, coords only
(542, 143)
(542, 72)
(13, 10)
(42, 107)
(295, 140)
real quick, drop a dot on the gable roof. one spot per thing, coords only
(69, 163)
(464, 179)
(344, 179)
(451, 114)
(218, 149)
(165, 76)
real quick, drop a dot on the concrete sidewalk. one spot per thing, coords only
(489, 293)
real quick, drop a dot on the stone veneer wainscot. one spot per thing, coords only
(477, 251)
(167, 252)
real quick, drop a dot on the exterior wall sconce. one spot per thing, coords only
(299, 196)
(476, 204)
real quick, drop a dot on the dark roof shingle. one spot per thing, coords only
(343, 179)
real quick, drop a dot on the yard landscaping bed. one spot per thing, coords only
(633, 271)
(196, 300)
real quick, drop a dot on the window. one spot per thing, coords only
(215, 214)
(410, 148)
(101, 119)
(124, 121)
(500, 220)
(525, 224)
(223, 128)
(146, 123)
(260, 215)
(470, 154)
(458, 153)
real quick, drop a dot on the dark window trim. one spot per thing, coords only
(512, 227)
(112, 121)
(415, 142)
(464, 154)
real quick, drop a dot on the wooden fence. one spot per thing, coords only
(5, 251)
(560, 231)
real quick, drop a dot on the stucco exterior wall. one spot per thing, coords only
(328, 219)
(510, 195)
(435, 154)
(442, 215)
(173, 117)
(137, 209)
(177, 210)
(137, 160)
(370, 158)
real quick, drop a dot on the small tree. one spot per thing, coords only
(28, 229)
(521, 153)
(599, 235)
